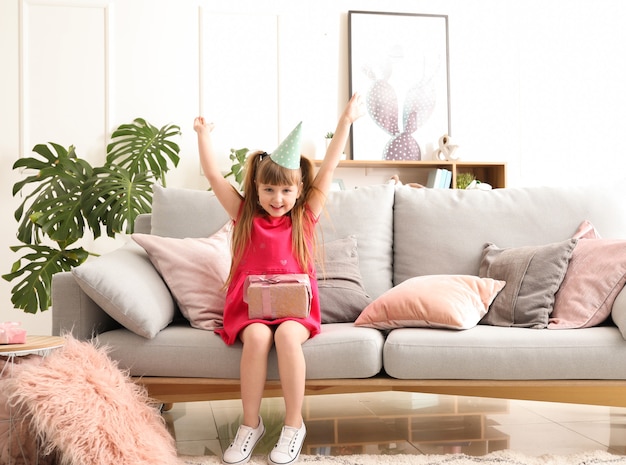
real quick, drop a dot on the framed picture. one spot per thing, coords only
(399, 63)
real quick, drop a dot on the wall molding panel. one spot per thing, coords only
(65, 74)
(245, 80)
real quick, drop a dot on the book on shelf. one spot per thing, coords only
(447, 183)
(434, 177)
(439, 178)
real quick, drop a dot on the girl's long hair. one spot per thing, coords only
(261, 169)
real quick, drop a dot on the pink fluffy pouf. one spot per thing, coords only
(18, 444)
(87, 411)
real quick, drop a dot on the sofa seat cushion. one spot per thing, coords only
(341, 350)
(497, 353)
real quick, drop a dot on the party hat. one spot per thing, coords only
(287, 154)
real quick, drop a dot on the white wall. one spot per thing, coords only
(538, 84)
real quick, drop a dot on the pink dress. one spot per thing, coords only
(269, 251)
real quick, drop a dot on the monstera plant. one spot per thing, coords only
(237, 159)
(66, 197)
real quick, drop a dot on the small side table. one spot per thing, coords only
(41, 345)
(38, 345)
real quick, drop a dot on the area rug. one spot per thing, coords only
(504, 457)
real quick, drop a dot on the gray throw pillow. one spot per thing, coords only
(127, 287)
(533, 274)
(341, 292)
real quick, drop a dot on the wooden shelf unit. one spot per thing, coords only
(493, 173)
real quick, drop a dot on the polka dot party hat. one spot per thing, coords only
(287, 154)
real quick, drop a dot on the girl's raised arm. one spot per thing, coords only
(224, 191)
(324, 178)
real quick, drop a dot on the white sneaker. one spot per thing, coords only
(246, 439)
(287, 449)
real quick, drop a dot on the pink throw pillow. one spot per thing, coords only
(195, 270)
(586, 230)
(436, 301)
(595, 276)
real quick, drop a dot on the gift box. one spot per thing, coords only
(11, 333)
(278, 296)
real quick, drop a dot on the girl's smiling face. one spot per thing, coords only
(278, 200)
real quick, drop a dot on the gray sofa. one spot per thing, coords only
(401, 232)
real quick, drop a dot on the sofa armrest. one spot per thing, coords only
(74, 312)
(618, 313)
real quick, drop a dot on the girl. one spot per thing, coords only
(274, 233)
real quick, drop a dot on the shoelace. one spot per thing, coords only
(244, 433)
(286, 437)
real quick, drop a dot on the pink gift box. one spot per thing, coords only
(11, 333)
(278, 296)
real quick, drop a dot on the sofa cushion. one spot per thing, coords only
(595, 275)
(493, 352)
(586, 230)
(195, 270)
(341, 350)
(440, 301)
(179, 212)
(533, 274)
(367, 214)
(126, 286)
(341, 292)
(443, 231)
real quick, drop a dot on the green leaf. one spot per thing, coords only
(52, 208)
(114, 197)
(141, 147)
(238, 159)
(36, 268)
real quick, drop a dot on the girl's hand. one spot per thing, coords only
(355, 108)
(200, 125)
